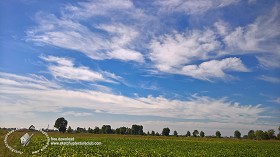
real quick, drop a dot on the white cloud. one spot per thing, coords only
(102, 88)
(76, 114)
(34, 81)
(193, 7)
(277, 100)
(126, 55)
(269, 61)
(65, 69)
(269, 79)
(18, 100)
(89, 9)
(174, 53)
(176, 50)
(97, 41)
(262, 36)
(214, 69)
(222, 27)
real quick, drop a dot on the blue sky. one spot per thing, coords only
(207, 65)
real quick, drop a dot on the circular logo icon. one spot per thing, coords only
(26, 141)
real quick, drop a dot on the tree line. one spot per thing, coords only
(61, 125)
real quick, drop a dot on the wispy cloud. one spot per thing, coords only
(76, 114)
(174, 53)
(98, 41)
(260, 37)
(214, 69)
(64, 68)
(193, 7)
(269, 79)
(178, 49)
(276, 100)
(32, 100)
(132, 33)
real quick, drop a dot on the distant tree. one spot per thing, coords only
(245, 137)
(237, 134)
(260, 135)
(61, 124)
(137, 129)
(201, 134)
(96, 130)
(271, 134)
(251, 134)
(195, 133)
(117, 131)
(218, 134)
(278, 136)
(188, 134)
(157, 134)
(106, 129)
(266, 137)
(90, 130)
(128, 131)
(148, 133)
(153, 133)
(81, 130)
(121, 130)
(165, 132)
(69, 130)
(175, 133)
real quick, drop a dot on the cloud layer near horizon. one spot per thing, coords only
(22, 95)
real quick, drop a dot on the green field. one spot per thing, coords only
(128, 145)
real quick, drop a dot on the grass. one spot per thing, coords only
(128, 145)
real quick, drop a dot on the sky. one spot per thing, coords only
(207, 65)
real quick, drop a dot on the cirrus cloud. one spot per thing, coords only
(33, 100)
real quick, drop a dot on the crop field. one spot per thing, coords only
(128, 145)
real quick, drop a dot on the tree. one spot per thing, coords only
(218, 134)
(165, 132)
(266, 137)
(270, 133)
(278, 136)
(106, 129)
(69, 130)
(153, 133)
(96, 130)
(201, 134)
(90, 130)
(188, 134)
(148, 133)
(175, 133)
(251, 134)
(128, 131)
(137, 129)
(237, 134)
(157, 134)
(195, 133)
(260, 135)
(81, 130)
(61, 124)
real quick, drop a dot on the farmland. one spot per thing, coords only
(128, 145)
